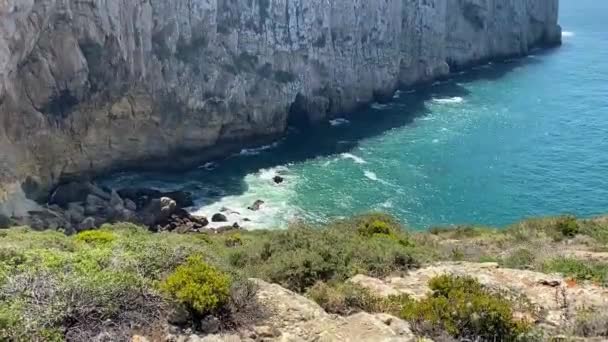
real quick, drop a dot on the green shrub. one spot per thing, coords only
(198, 286)
(520, 258)
(233, 240)
(568, 226)
(344, 298)
(464, 309)
(376, 227)
(577, 269)
(100, 237)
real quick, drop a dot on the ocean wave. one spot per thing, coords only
(357, 160)
(257, 150)
(338, 122)
(449, 100)
(379, 106)
(371, 175)
(568, 34)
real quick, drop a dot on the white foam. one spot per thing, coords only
(371, 175)
(357, 160)
(397, 94)
(339, 122)
(258, 150)
(449, 100)
(379, 106)
(435, 141)
(209, 166)
(387, 204)
(274, 213)
(568, 34)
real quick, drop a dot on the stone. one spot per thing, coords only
(75, 212)
(278, 179)
(6, 222)
(182, 198)
(556, 297)
(157, 211)
(129, 204)
(256, 205)
(99, 87)
(219, 217)
(70, 192)
(87, 224)
(210, 325)
(115, 200)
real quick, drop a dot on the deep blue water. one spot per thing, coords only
(491, 146)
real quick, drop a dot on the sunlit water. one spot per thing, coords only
(494, 145)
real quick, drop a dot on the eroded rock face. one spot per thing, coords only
(88, 86)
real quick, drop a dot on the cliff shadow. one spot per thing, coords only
(223, 177)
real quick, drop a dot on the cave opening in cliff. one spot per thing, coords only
(299, 113)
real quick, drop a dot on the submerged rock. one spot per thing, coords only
(256, 205)
(219, 217)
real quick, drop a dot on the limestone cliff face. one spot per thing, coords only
(91, 85)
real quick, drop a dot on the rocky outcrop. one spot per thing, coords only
(90, 86)
(558, 299)
(291, 317)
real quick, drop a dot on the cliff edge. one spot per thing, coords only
(90, 86)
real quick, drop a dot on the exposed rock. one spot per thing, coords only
(256, 205)
(67, 193)
(87, 224)
(46, 218)
(88, 87)
(278, 179)
(219, 217)
(5, 222)
(75, 212)
(129, 204)
(157, 211)
(142, 196)
(116, 201)
(558, 298)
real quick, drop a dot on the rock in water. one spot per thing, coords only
(278, 179)
(256, 205)
(157, 210)
(219, 217)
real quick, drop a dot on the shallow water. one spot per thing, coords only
(490, 146)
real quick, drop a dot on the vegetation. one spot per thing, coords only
(578, 269)
(123, 278)
(464, 309)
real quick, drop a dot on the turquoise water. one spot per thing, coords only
(494, 145)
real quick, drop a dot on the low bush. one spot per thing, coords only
(198, 286)
(344, 298)
(96, 236)
(578, 269)
(520, 259)
(568, 226)
(463, 308)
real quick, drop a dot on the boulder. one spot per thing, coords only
(158, 210)
(256, 205)
(129, 204)
(46, 218)
(182, 198)
(6, 222)
(219, 217)
(142, 196)
(278, 179)
(75, 213)
(87, 224)
(115, 200)
(70, 192)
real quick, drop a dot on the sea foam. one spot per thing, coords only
(449, 100)
(357, 160)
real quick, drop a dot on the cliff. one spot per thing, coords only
(89, 86)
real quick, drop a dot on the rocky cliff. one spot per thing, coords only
(92, 85)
